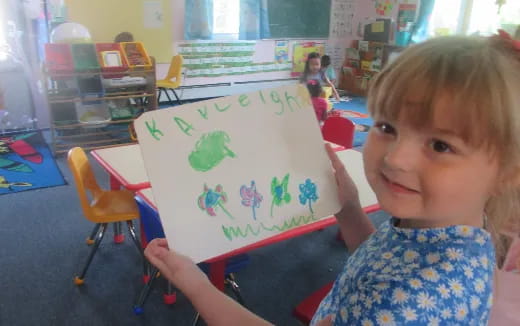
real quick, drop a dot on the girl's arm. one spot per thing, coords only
(354, 224)
(336, 95)
(215, 307)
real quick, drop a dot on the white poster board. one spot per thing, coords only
(232, 171)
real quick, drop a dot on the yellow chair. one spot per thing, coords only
(172, 80)
(105, 206)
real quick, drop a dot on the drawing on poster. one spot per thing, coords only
(251, 197)
(210, 150)
(231, 171)
(308, 194)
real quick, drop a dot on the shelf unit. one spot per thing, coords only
(68, 91)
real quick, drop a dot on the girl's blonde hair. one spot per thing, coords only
(481, 76)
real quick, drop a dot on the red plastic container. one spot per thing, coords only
(108, 71)
(58, 58)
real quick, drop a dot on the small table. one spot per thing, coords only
(125, 166)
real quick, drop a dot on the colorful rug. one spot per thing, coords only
(26, 163)
(356, 111)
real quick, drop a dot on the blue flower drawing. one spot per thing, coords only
(308, 193)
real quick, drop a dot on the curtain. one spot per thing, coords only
(198, 20)
(420, 29)
(254, 20)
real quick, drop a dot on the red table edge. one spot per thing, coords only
(217, 265)
(120, 179)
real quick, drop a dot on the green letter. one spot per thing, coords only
(262, 96)
(153, 130)
(276, 99)
(243, 100)
(204, 113)
(290, 98)
(221, 110)
(183, 125)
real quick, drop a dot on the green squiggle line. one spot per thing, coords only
(232, 232)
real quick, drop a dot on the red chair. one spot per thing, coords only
(307, 308)
(338, 130)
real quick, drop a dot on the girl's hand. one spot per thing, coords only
(347, 190)
(178, 269)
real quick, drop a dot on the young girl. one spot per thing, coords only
(312, 70)
(320, 104)
(443, 158)
(328, 69)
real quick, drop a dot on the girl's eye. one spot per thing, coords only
(440, 147)
(385, 128)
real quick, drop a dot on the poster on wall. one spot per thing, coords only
(281, 51)
(341, 18)
(234, 184)
(300, 53)
(215, 59)
(152, 14)
(384, 7)
(406, 16)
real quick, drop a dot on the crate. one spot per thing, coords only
(84, 57)
(102, 50)
(136, 56)
(58, 58)
(90, 86)
(122, 113)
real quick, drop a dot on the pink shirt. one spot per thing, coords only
(320, 107)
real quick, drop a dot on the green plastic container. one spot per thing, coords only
(85, 57)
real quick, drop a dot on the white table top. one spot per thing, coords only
(353, 161)
(124, 162)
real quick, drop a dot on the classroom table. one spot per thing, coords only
(124, 165)
(353, 162)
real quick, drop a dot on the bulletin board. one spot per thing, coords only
(148, 20)
(221, 182)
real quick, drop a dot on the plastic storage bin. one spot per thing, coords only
(84, 57)
(58, 58)
(136, 56)
(107, 54)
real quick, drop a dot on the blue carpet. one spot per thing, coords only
(356, 111)
(26, 163)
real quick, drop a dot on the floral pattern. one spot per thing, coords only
(439, 276)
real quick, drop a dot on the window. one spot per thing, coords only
(226, 19)
(481, 17)
(3, 41)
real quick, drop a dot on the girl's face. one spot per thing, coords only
(314, 65)
(429, 177)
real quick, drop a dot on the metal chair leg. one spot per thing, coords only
(230, 280)
(78, 280)
(90, 239)
(133, 235)
(176, 96)
(196, 319)
(119, 237)
(138, 307)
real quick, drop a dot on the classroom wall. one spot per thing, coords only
(162, 43)
(107, 18)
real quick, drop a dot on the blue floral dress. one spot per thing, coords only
(439, 276)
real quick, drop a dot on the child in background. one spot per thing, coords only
(328, 69)
(320, 104)
(312, 70)
(443, 158)
(124, 37)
